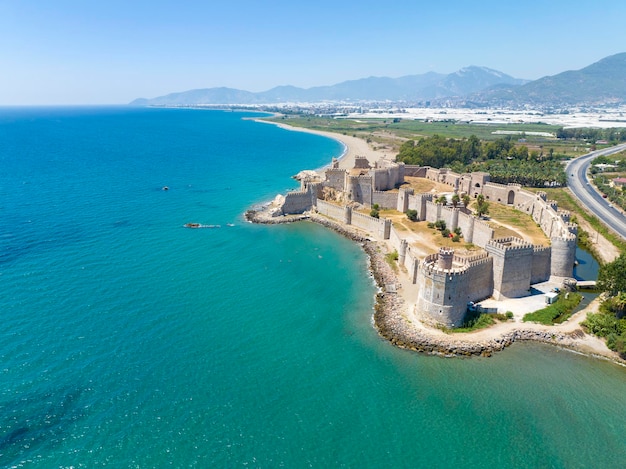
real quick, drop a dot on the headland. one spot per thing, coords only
(408, 310)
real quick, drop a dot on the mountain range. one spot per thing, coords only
(603, 82)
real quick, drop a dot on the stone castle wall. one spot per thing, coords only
(510, 266)
(336, 178)
(388, 177)
(302, 200)
(385, 199)
(360, 189)
(415, 171)
(330, 210)
(380, 226)
(540, 270)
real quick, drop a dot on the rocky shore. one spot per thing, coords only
(391, 316)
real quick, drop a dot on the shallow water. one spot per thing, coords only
(131, 341)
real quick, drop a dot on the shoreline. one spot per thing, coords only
(393, 319)
(394, 324)
(352, 146)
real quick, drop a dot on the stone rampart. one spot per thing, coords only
(297, 202)
(403, 199)
(388, 177)
(418, 203)
(331, 210)
(379, 226)
(540, 271)
(415, 171)
(360, 189)
(385, 199)
(336, 178)
(411, 263)
(483, 233)
(395, 238)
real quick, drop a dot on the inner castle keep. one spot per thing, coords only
(447, 281)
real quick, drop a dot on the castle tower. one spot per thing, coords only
(347, 215)
(563, 256)
(444, 261)
(454, 224)
(512, 267)
(403, 199)
(352, 187)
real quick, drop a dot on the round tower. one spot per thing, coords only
(563, 256)
(444, 260)
(352, 183)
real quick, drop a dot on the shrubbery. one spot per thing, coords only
(556, 312)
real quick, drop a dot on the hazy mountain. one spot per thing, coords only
(603, 82)
(426, 86)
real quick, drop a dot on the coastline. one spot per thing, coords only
(394, 320)
(353, 146)
(394, 324)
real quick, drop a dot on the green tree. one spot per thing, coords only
(482, 207)
(456, 200)
(411, 214)
(375, 211)
(612, 276)
(442, 199)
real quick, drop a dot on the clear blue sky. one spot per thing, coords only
(111, 51)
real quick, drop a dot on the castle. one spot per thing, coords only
(448, 282)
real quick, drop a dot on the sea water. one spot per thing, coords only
(128, 340)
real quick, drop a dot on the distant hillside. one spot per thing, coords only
(603, 82)
(408, 88)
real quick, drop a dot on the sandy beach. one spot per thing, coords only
(354, 146)
(395, 317)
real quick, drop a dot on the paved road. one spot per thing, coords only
(586, 193)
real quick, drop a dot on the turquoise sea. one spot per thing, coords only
(127, 340)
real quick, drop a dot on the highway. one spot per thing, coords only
(587, 194)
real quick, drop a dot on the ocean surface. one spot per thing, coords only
(127, 340)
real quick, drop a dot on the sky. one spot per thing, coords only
(79, 52)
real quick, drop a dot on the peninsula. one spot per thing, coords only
(427, 288)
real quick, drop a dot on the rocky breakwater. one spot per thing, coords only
(264, 216)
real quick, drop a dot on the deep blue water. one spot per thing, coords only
(128, 340)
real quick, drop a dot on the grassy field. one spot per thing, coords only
(507, 221)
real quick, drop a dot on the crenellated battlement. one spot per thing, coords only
(553, 204)
(568, 239)
(564, 214)
(361, 162)
(335, 171)
(507, 244)
(453, 272)
(474, 259)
